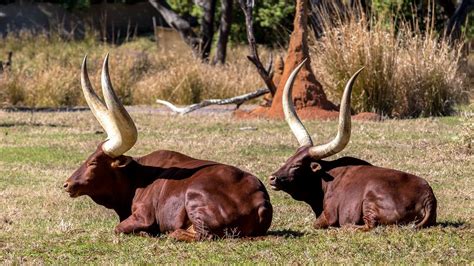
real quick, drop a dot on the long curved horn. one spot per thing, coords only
(121, 131)
(95, 103)
(344, 128)
(291, 116)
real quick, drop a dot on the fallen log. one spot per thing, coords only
(238, 100)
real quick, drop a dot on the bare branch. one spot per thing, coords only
(238, 100)
(247, 8)
(269, 68)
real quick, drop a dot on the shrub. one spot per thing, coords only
(408, 73)
(46, 72)
(185, 80)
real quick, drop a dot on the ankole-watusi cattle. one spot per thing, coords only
(165, 191)
(349, 191)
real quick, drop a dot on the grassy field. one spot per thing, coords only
(39, 223)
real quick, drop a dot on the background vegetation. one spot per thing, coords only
(406, 75)
(141, 72)
(411, 69)
(409, 72)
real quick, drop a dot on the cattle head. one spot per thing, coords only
(99, 175)
(296, 176)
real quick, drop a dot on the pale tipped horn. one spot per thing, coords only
(344, 128)
(119, 126)
(291, 116)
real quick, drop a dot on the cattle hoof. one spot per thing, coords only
(118, 231)
(357, 228)
(183, 235)
(144, 234)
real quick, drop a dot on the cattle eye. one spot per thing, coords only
(91, 163)
(295, 166)
(293, 169)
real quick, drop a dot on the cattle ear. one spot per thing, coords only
(121, 161)
(315, 166)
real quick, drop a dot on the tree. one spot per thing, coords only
(181, 25)
(200, 43)
(224, 31)
(207, 26)
(247, 7)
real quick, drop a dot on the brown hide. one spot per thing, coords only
(350, 191)
(166, 191)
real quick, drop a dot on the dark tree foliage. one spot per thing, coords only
(273, 18)
(458, 19)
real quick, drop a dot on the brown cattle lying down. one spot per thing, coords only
(349, 191)
(165, 191)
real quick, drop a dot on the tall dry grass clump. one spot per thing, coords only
(46, 72)
(185, 80)
(408, 73)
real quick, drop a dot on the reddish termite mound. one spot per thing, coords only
(308, 96)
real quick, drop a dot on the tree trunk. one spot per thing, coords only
(247, 7)
(448, 6)
(179, 24)
(453, 30)
(224, 31)
(207, 27)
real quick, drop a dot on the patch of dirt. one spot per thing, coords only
(367, 116)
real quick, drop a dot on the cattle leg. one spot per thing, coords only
(136, 223)
(357, 227)
(321, 222)
(188, 235)
(429, 212)
(369, 215)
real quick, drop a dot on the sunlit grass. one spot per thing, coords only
(39, 223)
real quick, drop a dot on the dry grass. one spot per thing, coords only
(46, 72)
(40, 224)
(408, 73)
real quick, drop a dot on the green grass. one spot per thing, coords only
(39, 223)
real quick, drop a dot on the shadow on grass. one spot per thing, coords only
(285, 233)
(452, 224)
(7, 125)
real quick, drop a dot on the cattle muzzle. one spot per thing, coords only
(72, 189)
(275, 182)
